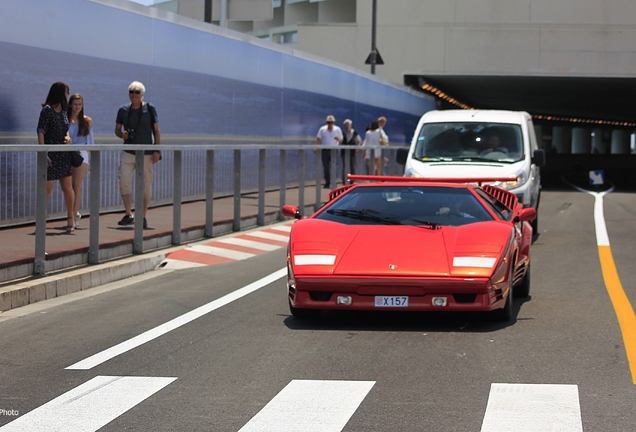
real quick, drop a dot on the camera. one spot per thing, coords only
(131, 134)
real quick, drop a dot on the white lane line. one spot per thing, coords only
(154, 333)
(89, 406)
(225, 253)
(311, 406)
(533, 407)
(270, 236)
(250, 244)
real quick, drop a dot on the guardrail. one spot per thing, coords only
(211, 171)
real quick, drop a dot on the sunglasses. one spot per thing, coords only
(134, 91)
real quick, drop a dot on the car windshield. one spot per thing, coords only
(426, 206)
(470, 142)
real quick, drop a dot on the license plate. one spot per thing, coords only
(391, 301)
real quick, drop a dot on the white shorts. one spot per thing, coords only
(127, 171)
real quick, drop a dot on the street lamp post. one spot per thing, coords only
(373, 58)
(374, 53)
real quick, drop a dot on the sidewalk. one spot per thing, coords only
(66, 268)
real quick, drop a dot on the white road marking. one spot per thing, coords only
(89, 406)
(533, 407)
(311, 406)
(173, 264)
(225, 253)
(270, 236)
(250, 244)
(154, 333)
(285, 228)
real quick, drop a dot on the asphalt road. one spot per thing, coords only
(379, 371)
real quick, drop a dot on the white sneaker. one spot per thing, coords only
(76, 219)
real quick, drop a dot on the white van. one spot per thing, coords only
(478, 143)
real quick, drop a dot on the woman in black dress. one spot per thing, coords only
(53, 129)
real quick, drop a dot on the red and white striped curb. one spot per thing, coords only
(226, 249)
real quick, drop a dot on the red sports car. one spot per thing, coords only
(403, 243)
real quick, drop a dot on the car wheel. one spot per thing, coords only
(523, 290)
(304, 314)
(535, 225)
(504, 314)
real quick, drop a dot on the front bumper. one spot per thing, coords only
(461, 294)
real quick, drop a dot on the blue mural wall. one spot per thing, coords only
(202, 79)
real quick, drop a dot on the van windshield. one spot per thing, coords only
(470, 141)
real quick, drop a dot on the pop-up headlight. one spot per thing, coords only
(468, 261)
(314, 259)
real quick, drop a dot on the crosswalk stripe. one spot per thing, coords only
(283, 228)
(235, 247)
(250, 243)
(311, 406)
(222, 252)
(89, 406)
(532, 407)
(270, 236)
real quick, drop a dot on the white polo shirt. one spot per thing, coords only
(329, 138)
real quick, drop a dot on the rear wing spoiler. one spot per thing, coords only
(507, 198)
(400, 179)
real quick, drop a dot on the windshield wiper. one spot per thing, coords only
(365, 215)
(427, 224)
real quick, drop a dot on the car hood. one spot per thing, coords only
(389, 250)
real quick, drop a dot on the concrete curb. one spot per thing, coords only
(33, 291)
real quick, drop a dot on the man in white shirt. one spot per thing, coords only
(329, 134)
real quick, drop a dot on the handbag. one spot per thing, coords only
(76, 159)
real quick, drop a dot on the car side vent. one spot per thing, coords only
(464, 298)
(320, 295)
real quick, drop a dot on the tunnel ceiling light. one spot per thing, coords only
(441, 95)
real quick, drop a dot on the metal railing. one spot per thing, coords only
(211, 171)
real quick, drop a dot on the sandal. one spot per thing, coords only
(70, 227)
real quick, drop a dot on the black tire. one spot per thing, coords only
(505, 314)
(523, 290)
(304, 314)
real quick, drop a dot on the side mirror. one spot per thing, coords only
(538, 157)
(401, 155)
(291, 212)
(526, 214)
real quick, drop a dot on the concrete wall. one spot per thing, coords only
(204, 80)
(524, 37)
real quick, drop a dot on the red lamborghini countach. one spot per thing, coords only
(403, 243)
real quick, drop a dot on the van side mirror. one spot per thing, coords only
(538, 157)
(401, 155)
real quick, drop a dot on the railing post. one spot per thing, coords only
(282, 172)
(39, 263)
(94, 200)
(318, 191)
(302, 166)
(177, 191)
(236, 223)
(138, 242)
(260, 218)
(209, 194)
(333, 180)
